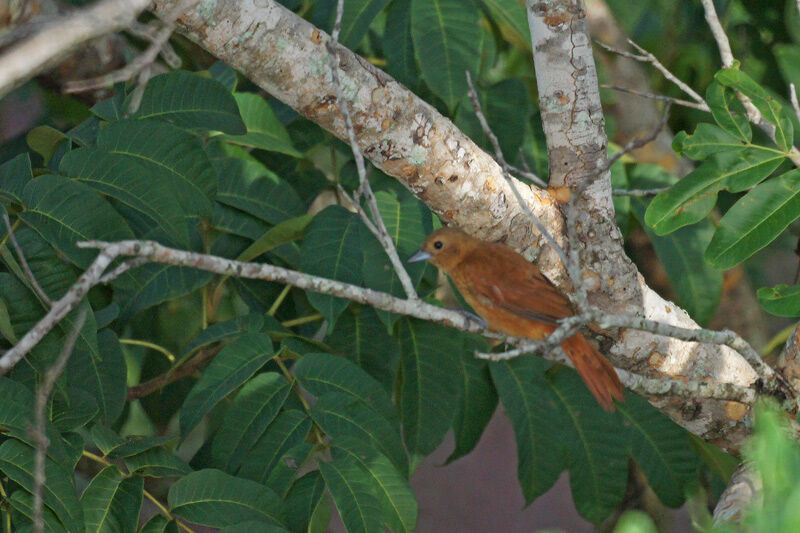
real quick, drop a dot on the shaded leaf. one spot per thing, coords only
(780, 300)
(264, 130)
(358, 506)
(112, 501)
(288, 430)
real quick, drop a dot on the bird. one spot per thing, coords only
(516, 299)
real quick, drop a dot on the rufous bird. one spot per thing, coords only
(514, 298)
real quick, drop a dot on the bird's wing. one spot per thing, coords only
(514, 284)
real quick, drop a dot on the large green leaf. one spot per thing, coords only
(251, 526)
(334, 248)
(128, 180)
(693, 197)
(358, 505)
(476, 405)
(112, 502)
(214, 498)
(302, 500)
(344, 416)
(728, 112)
(512, 19)
(755, 220)
(769, 106)
(361, 337)
(288, 430)
(103, 377)
(153, 284)
(446, 38)
(660, 447)
(14, 175)
(157, 462)
(51, 202)
(264, 130)
(781, 300)
(429, 393)
(706, 140)
(16, 462)
(321, 373)
(254, 408)
(225, 330)
(230, 368)
(287, 231)
(189, 100)
(22, 502)
(398, 46)
(357, 15)
(166, 153)
(72, 408)
(389, 485)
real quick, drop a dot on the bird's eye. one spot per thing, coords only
(438, 245)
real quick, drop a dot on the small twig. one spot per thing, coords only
(377, 227)
(39, 430)
(150, 33)
(122, 268)
(159, 382)
(146, 58)
(652, 96)
(476, 105)
(641, 193)
(689, 390)
(793, 98)
(566, 329)
(24, 263)
(719, 34)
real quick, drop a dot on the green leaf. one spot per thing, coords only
(157, 462)
(660, 447)
(707, 139)
(216, 499)
(398, 46)
(302, 499)
(720, 99)
(333, 248)
(189, 100)
(221, 331)
(230, 368)
(103, 377)
(5, 324)
(254, 408)
(780, 300)
(22, 502)
(72, 409)
(45, 141)
(287, 231)
(349, 485)
(135, 444)
(127, 180)
(264, 130)
(289, 429)
(224, 74)
(14, 175)
(513, 21)
(429, 392)
(357, 15)
(446, 38)
(252, 526)
(476, 405)
(635, 522)
(532, 409)
(693, 197)
(112, 501)
(16, 461)
(362, 338)
(321, 373)
(159, 523)
(166, 153)
(755, 220)
(286, 469)
(51, 202)
(770, 108)
(153, 284)
(344, 416)
(389, 485)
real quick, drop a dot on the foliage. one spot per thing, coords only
(280, 425)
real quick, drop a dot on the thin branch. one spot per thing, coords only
(159, 382)
(28, 272)
(476, 105)
(647, 57)
(653, 96)
(719, 34)
(40, 428)
(140, 63)
(36, 54)
(639, 193)
(377, 227)
(793, 98)
(688, 390)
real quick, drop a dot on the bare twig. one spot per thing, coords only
(743, 489)
(652, 96)
(150, 33)
(36, 54)
(40, 416)
(719, 34)
(159, 382)
(377, 227)
(22, 261)
(476, 105)
(647, 57)
(140, 63)
(793, 98)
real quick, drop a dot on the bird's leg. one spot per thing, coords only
(472, 317)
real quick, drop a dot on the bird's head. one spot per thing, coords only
(445, 248)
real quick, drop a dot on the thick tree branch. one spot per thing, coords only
(40, 51)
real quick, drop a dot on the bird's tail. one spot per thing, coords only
(598, 374)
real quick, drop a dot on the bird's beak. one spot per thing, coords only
(420, 255)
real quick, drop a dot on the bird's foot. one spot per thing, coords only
(472, 318)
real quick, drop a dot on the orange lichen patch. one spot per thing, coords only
(386, 124)
(401, 169)
(321, 108)
(562, 98)
(315, 36)
(655, 360)
(559, 194)
(735, 411)
(556, 19)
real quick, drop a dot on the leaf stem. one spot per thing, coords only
(152, 346)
